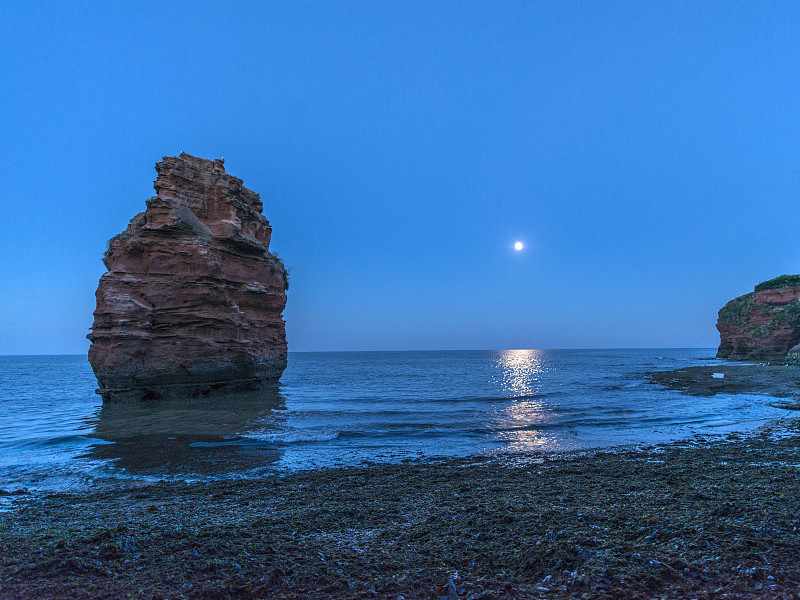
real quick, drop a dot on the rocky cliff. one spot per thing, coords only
(763, 325)
(192, 298)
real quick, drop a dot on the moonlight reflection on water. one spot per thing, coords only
(520, 423)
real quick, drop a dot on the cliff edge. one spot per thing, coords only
(763, 325)
(192, 298)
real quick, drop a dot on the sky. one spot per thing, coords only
(646, 153)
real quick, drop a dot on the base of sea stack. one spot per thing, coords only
(196, 382)
(182, 390)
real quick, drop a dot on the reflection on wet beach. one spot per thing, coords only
(192, 437)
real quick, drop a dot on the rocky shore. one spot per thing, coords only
(708, 518)
(780, 381)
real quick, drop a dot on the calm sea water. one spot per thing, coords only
(350, 407)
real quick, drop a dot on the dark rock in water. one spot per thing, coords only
(763, 325)
(192, 299)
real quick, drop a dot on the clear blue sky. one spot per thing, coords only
(647, 154)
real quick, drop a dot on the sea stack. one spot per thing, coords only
(763, 325)
(192, 298)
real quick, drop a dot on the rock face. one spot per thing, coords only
(192, 299)
(763, 325)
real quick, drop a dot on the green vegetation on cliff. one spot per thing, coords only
(276, 266)
(737, 311)
(779, 282)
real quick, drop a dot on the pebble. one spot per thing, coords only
(450, 591)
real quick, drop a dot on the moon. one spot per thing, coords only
(518, 246)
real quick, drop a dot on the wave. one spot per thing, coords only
(294, 437)
(57, 441)
(517, 398)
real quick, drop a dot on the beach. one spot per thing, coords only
(711, 517)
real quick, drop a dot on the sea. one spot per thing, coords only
(334, 409)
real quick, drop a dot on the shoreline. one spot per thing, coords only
(698, 518)
(779, 381)
(710, 516)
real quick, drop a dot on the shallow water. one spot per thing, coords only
(346, 408)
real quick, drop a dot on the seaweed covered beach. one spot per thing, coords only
(707, 518)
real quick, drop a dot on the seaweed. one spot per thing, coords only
(711, 517)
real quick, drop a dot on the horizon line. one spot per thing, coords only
(447, 350)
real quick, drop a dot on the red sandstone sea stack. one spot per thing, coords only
(763, 325)
(192, 299)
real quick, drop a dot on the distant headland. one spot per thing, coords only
(763, 325)
(192, 298)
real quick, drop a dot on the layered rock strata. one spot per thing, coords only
(192, 298)
(763, 325)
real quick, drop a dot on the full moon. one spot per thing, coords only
(518, 246)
